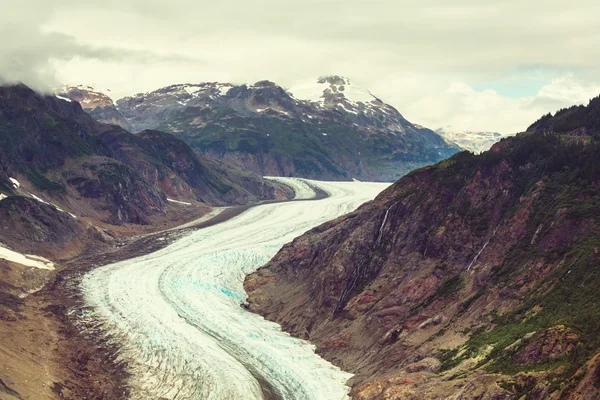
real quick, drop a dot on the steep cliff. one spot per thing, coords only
(476, 277)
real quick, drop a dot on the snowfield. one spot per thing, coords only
(177, 313)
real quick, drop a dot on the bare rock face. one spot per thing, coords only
(487, 264)
(550, 345)
(33, 227)
(100, 106)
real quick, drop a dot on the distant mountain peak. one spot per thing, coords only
(327, 128)
(334, 80)
(87, 96)
(331, 90)
(473, 141)
(98, 104)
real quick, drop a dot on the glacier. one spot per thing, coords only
(176, 313)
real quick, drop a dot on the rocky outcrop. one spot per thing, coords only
(550, 345)
(99, 105)
(485, 263)
(33, 227)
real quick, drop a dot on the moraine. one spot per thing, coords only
(177, 313)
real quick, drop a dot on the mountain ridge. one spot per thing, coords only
(55, 154)
(339, 132)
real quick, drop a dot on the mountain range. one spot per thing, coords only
(328, 129)
(474, 278)
(60, 170)
(474, 141)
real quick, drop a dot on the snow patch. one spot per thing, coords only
(224, 89)
(63, 98)
(3, 196)
(192, 91)
(357, 94)
(38, 199)
(314, 91)
(28, 260)
(349, 110)
(179, 202)
(50, 204)
(15, 182)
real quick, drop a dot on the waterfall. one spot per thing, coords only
(481, 251)
(381, 227)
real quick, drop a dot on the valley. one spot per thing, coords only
(177, 316)
(296, 200)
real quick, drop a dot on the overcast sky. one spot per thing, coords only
(492, 65)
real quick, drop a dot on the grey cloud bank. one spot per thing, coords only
(425, 58)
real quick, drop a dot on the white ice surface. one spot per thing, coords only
(3, 196)
(357, 94)
(28, 260)
(313, 91)
(177, 311)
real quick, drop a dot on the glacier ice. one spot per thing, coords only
(177, 314)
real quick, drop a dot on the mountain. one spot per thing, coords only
(475, 278)
(99, 105)
(577, 120)
(475, 142)
(329, 129)
(60, 164)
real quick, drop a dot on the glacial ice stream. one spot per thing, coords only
(177, 315)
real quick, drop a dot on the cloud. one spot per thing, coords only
(30, 52)
(431, 59)
(462, 107)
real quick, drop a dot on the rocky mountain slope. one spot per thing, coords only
(71, 185)
(475, 142)
(329, 129)
(98, 104)
(475, 278)
(53, 155)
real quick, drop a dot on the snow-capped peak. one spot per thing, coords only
(85, 95)
(200, 89)
(474, 141)
(328, 89)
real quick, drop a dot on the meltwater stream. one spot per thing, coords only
(178, 317)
